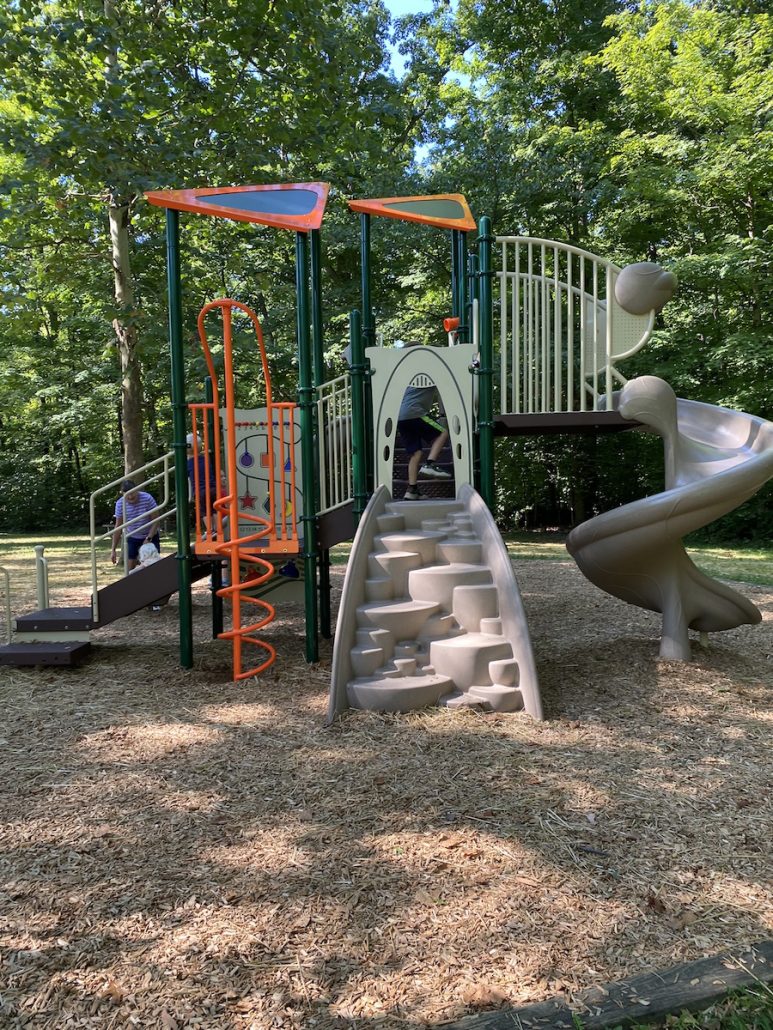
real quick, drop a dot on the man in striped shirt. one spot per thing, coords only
(130, 508)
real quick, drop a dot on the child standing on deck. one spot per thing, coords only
(415, 432)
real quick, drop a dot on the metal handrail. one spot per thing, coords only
(541, 312)
(334, 443)
(8, 619)
(165, 474)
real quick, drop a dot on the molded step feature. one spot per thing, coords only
(380, 588)
(414, 512)
(438, 582)
(397, 694)
(396, 565)
(475, 602)
(421, 541)
(390, 523)
(454, 631)
(466, 658)
(467, 550)
(438, 626)
(365, 660)
(374, 637)
(63, 652)
(459, 699)
(497, 697)
(403, 619)
(436, 525)
(504, 671)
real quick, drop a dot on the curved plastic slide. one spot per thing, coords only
(715, 460)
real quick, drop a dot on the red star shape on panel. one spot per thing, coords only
(247, 500)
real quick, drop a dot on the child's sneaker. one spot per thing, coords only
(431, 468)
(413, 494)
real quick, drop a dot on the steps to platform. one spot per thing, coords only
(61, 636)
(430, 613)
(431, 487)
(58, 652)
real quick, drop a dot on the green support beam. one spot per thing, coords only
(358, 374)
(486, 370)
(179, 424)
(318, 351)
(368, 321)
(368, 332)
(306, 405)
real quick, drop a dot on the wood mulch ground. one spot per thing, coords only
(180, 851)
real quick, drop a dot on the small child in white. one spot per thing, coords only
(148, 555)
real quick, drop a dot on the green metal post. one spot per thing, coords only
(179, 422)
(473, 281)
(319, 377)
(459, 281)
(368, 321)
(217, 569)
(357, 372)
(486, 370)
(306, 405)
(316, 307)
(455, 273)
(473, 292)
(463, 292)
(369, 340)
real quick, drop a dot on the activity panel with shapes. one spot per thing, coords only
(253, 464)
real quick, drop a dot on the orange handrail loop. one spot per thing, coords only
(237, 548)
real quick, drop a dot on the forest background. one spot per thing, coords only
(640, 131)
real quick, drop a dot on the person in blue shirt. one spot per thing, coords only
(130, 511)
(207, 485)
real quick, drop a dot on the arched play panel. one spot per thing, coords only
(393, 371)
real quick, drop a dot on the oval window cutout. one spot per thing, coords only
(388, 427)
(456, 425)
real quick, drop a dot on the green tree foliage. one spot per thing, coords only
(104, 101)
(638, 130)
(641, 132)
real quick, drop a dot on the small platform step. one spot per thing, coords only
(58, 652)
(51, 619)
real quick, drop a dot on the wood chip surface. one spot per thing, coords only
(180, 851)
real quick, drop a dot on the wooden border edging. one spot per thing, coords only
(694, 986)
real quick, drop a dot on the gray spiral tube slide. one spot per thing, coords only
(715, 460)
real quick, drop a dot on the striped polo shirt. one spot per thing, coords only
(143, 504)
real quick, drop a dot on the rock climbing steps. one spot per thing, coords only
(429, 630)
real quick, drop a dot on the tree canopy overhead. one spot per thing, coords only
(638, 130)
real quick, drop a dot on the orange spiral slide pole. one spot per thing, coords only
(237, 549)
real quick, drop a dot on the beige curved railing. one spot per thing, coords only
(561, 329)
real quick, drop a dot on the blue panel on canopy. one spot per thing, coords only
(275, 202)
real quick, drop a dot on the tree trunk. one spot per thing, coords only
(126, 339)
(119, 216)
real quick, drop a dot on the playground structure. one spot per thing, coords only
(430, 610)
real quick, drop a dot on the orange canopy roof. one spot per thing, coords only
(444, 210)
(299, 206)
